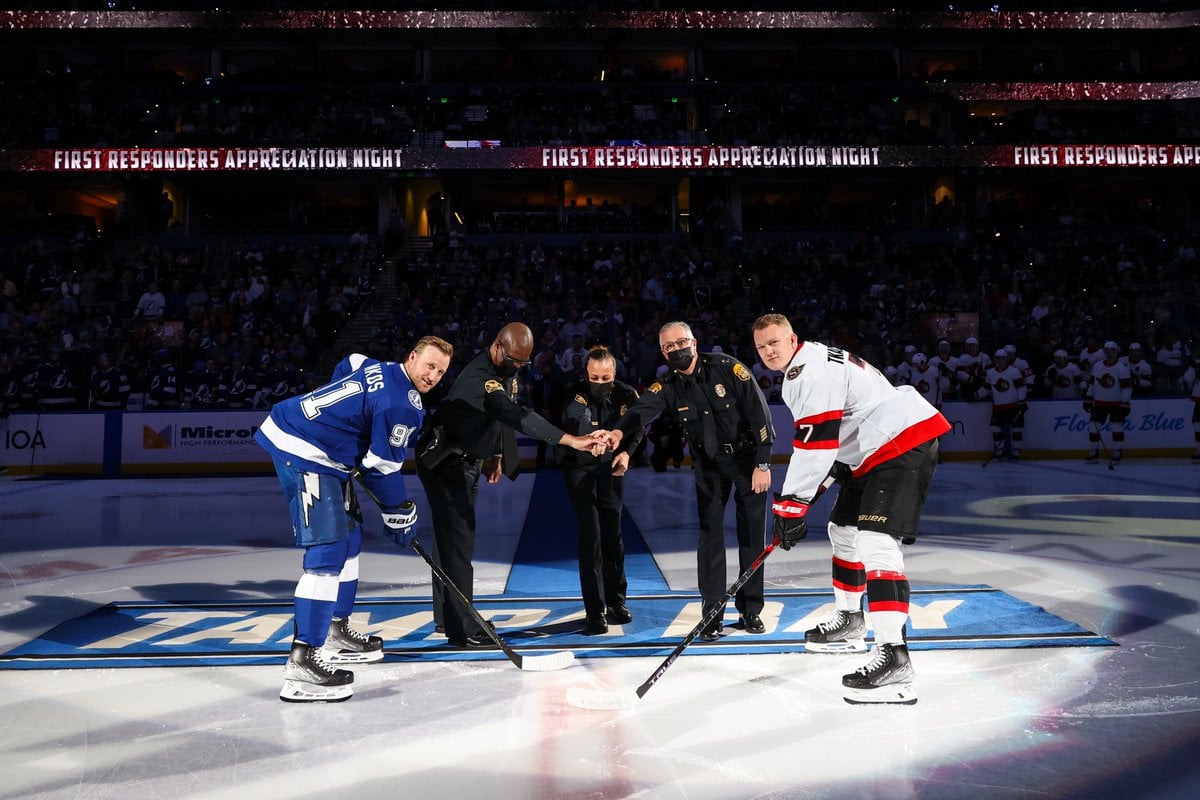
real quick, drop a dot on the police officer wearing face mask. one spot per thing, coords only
(720, 406)
(471, 434)
(595, 485)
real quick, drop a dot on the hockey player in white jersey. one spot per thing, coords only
(943, 362)
(969, 371)
(363, 420)
(928, 382)
(1063, 377)
(1006, 383)
(1140, 370)
(1106, 399)
(880, 442)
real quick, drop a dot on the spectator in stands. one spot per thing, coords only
(151, 304)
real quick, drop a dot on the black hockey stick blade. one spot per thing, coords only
(708, 618)
(544, 662)
(719, 608)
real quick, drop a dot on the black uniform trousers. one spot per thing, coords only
(715, 477)
(451, 489)
(596, 495)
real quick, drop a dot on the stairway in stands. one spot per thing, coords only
(377, 309)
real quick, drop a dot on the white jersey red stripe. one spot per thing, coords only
(847, 411)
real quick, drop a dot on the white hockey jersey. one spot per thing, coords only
(1063, 381)
(1141, 372)
(1006, 385)
(845, 410)
(1109, 384)
(929, 383)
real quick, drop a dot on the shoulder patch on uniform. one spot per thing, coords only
(740, 371)
(414, 397)
(655, 387)
(581, 400)
(794, 372)
(493, 386)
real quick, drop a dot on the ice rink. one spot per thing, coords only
(1114, 551)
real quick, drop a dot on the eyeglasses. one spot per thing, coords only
(678, 344)
(516, 362)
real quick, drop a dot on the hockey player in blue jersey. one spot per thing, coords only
(364, 419)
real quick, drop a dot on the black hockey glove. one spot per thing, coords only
(790, 523)
(400, 523)
(1087, 406)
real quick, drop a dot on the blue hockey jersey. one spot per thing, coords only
(365, 417)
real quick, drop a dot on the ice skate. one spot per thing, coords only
(1196, 458)
(1092, 455)
(344, 645)
(886, 678)
(1116, 456)
(846, 632)
(309, 678)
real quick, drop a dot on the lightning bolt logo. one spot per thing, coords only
(310, 493)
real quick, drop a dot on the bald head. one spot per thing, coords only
(517, 340)
(513, 346)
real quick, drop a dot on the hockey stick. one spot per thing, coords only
(588, 699)
(994, 453)
(1103, 446)
(593, 700)
(545, 662)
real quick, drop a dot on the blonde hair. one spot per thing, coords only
(436, 342)
(767, 320)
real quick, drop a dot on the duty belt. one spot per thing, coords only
(729, 448)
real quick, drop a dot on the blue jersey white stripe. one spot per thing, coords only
(365, 417)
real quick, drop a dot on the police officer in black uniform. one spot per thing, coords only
(719, 404)
(471, 433)
(595, 485)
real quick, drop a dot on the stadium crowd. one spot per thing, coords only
(198, 326)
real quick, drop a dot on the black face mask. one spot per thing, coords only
(681, 358)
(600, 391)
(507, 369)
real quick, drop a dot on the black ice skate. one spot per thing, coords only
(886, 678)
(309, 678)
(344, 645)
(846, 632)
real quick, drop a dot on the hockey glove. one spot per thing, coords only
(790, 523)
(1087, 406)
(400, 523)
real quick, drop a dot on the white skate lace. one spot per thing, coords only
(353, 635)
(316, 658)
(883, 654)
(833, 624)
